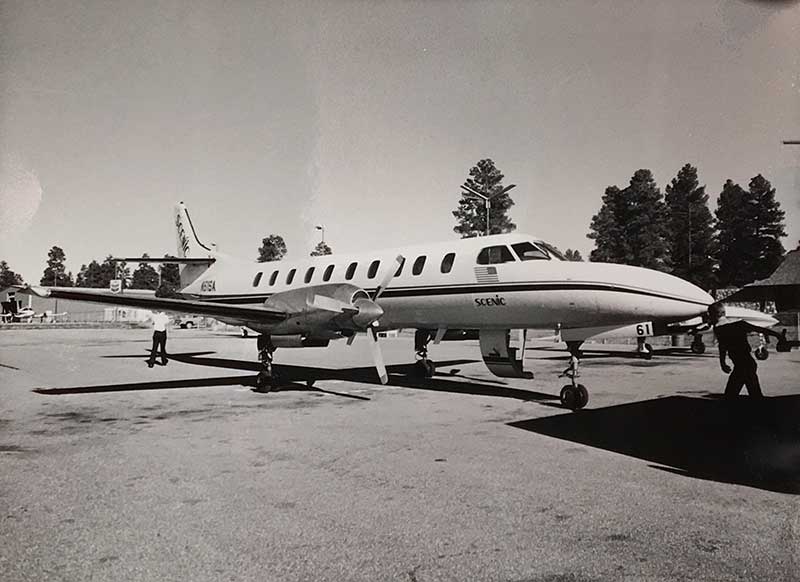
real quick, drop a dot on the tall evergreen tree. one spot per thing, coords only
(145, 276)
(471, 212)
(573, 255)
(55, 274)
(273, 248)
(630, 227)
(750, 224)
(691, 230)
(321, 250)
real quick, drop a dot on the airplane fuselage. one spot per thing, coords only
(459, 284)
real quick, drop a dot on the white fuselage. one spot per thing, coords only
(534, 294)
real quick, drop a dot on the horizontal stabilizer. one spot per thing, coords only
(168, 260)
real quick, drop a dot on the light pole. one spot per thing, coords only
(487, 199)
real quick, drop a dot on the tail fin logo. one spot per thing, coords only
(183, 240)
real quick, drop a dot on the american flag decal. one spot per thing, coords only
(486, 274)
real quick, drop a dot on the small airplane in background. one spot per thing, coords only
(494, 284)
(696, 327)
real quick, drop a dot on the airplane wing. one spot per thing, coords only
(130, 299)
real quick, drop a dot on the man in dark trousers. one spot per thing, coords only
(160, 323)
(732, 341)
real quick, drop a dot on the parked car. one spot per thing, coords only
(190, 321)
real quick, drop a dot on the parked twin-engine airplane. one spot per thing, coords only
(494, 284)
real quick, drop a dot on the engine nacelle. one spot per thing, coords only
(298, 341)
(320, 309)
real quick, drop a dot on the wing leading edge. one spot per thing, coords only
(207, 308)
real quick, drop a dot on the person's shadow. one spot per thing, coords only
(754, 443)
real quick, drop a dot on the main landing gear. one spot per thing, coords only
(423, 366)
(698, 347)
(266, 380)
(573, 396)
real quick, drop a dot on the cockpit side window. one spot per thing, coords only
(494, 255)
(530, 252)
(552, 250)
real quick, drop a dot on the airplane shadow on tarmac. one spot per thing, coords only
(296, 378)
(744, 442)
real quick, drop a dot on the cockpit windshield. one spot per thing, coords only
(552, 250)
(527, 251)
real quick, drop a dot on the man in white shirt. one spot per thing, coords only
(160, 323)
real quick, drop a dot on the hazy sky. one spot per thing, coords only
(268, 117)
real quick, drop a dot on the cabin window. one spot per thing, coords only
(529, 252)
(257, 279)
(447, 262)
(400, 267)
(326, 276)
(495, 255)
(290, 276)
(373, 269)
(309, 274)
(419, 264)
(273, 277)
(351, 270)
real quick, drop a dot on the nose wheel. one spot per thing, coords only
(573, 396)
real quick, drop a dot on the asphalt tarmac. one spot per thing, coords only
(113, 471)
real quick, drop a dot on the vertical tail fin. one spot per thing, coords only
(189, 246)
(188, 243)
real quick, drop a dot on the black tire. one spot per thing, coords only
(430, 368)
(569, 397)
(583, 396)
(762, 353)
(698, 348)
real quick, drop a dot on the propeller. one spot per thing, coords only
(364, 313)
(372, 336)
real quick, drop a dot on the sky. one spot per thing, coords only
(365, 117)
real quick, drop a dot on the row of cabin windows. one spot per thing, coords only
(488, 256)
(372, 270)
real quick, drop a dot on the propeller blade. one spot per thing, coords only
(388, 278)
(377, 357)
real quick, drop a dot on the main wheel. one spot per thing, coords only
(430, 368)
(698, 348)
(263, 382)
(762, 353)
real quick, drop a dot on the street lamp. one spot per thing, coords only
(487, 199)
(322, 228)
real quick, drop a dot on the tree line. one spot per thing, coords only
(636, 225)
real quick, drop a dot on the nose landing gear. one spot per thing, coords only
(573, 396)
(266, 380)
(423, 366)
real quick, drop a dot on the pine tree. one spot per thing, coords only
(55, 274)
(99, 275)
(691, 230)
(145, 276)
(273, 248)
(321, 250)
(471, 212)
(170, 280)
(750, 226)
(573, 255)
(8, 277)
(630, 227)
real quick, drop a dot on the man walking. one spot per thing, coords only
(732, 341)
(160, 323)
